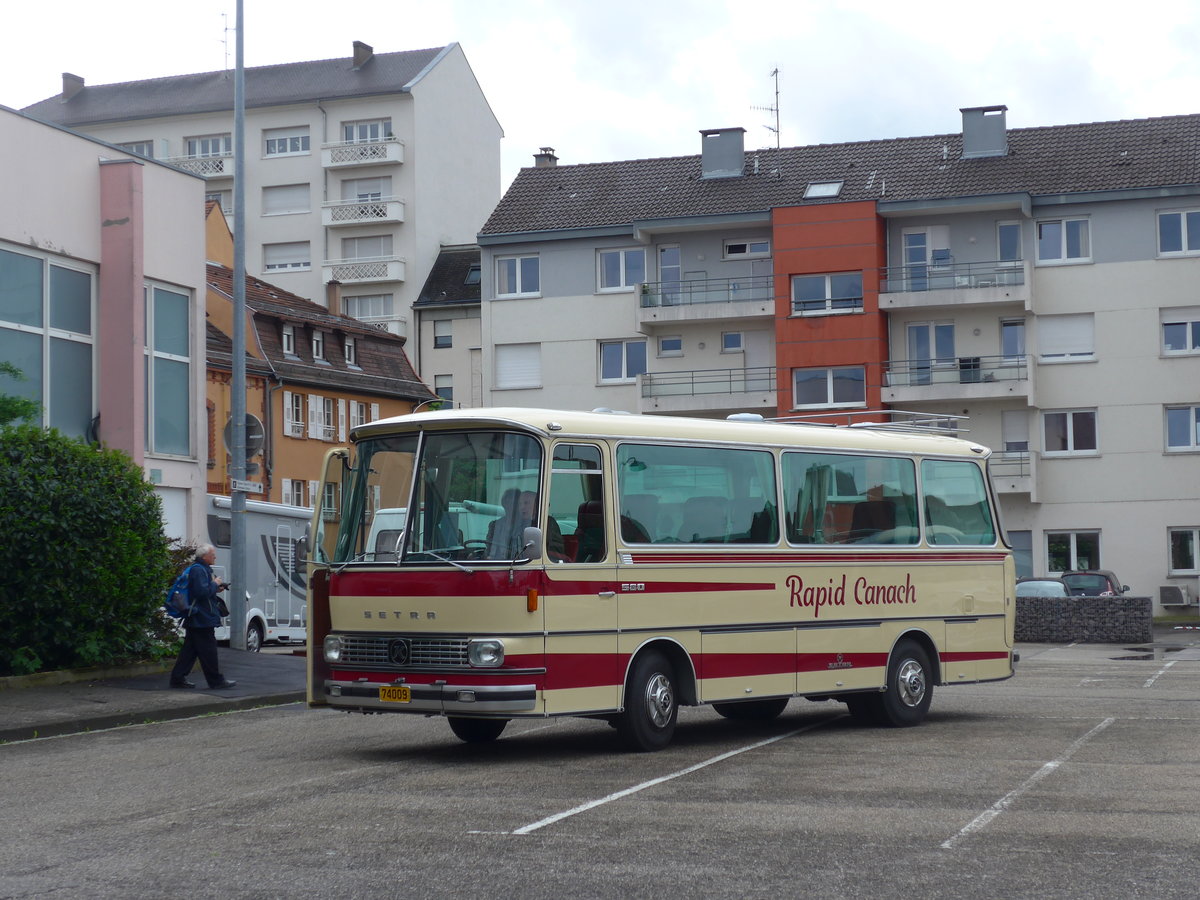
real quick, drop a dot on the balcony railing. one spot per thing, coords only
(708, 381)
(706, 290)
(1010, 464)
(337, 154)
(929, 277)
(205, 166)
(374, 268)
(362, 212)
(955, 370)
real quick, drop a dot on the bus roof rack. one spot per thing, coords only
(883, 420)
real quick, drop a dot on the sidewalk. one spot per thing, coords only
(46, 710)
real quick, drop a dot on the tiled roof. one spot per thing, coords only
(328, 79)
(383, 366)
(1098, 156)
(447, 281)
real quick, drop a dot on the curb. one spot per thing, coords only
(142, 717)
(71, 676)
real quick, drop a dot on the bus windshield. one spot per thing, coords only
(447, 496)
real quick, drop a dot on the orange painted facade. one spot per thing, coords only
(826, 239)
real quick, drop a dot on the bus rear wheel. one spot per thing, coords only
(651, 705)
(476, 731)
(752, 710)
(905, 700)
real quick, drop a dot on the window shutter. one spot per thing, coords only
(314, 488)
(314, 416)
(285, 198)
(287, 491)
(374, 412)
(287, 415)
(1070, 335)
(518, 365)
(341, 419)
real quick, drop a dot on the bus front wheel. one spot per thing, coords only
(476, 731)
(905, 700)
(651, 705)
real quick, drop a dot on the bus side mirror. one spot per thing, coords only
(531, 537)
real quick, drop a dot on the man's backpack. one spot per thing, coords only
(178, 604)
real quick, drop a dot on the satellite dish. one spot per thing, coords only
(255, 435)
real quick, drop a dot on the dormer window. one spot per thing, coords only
(351, 351)
(318, 344)
(822, 189)
(289, 340)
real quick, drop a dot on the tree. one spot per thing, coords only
(84, 563)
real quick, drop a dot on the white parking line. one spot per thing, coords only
(592, 804)
(1006, 801)
(1150, 683)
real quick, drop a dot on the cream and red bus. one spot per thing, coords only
(615, 566)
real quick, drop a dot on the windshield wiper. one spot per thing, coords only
(447, 559)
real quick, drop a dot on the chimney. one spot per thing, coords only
(333, 297)
(723, 152)
(72, 85)
(363, 54)
(546, 159)
(984, 131)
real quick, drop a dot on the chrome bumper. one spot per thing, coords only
(435, 699)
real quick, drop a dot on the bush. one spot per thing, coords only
(84, 563)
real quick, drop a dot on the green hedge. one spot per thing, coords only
(84, 563)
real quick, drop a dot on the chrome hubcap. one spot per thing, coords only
(660, 700)
(910, 683)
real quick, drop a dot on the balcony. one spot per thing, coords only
(711, 390)
(391, 324)
(670, 302)
(347, 154)
(1012, 471)
(964, 377)
(961, 284)
(204, 166)
(388, 210)
(363, 270)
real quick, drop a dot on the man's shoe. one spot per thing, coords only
(182, 684)
(224, 684)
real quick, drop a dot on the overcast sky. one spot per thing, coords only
(602, 80)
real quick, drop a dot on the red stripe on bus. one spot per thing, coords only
(972, 656)
(780, 559)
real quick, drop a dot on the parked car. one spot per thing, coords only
(1093, 583)
(1041, 586)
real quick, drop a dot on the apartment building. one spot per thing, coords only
(357, 169)
(102, 302)
(1035, 288)
(447, 318)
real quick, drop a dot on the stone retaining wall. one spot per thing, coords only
(1085, 620)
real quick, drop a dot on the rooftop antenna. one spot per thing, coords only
(225, 37)
(773, 109)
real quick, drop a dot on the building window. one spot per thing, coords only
(622, 361)
(443, 386)
(822, 189)
(1183, 427)
(358, 413)
(368, 306)
(842, 386)
(367, 190)
(366, 131)
(223, 199)
(1185, 551)
(1064, 338)
(1181, 330)
(293, 492)
(1008, 242)
(1069, 432)
(318, 344)
(518, 366)
(141, 148)
(1022, 547)
(329, 501)
(1063, 241)
(168, 389)
(1070, 550)
(670, 345)
(285, 199)
(1179, 233)
(621, 270)
(518, 276)
(293, 414)
(350, 350)
(1012, 340)
(747, 249)
(208, 145)
(375, 246)
(286, 141)
(328, 424)
(46, 314)
(289, 340)
(443, 336)
(731, 342)
(281, 257)
(1014, 430)
(473, 274)
(820, 294)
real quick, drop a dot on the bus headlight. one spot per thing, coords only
(333, 648)
(485, 653)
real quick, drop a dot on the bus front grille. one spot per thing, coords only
(397, 652)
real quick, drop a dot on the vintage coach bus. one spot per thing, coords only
(616, 566)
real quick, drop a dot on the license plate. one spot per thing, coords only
(395, 693)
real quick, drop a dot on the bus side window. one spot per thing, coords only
(577, 503)
(956, 503)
